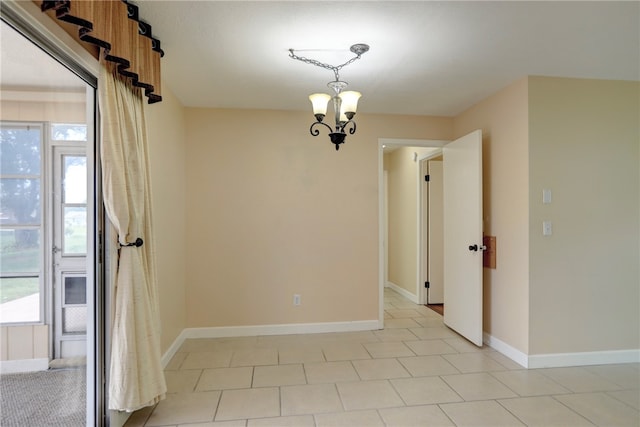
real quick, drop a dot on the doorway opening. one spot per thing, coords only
(461, 231)
(402, 246)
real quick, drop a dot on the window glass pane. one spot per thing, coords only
(19, 201)
(19, 299)
(20, 250)
(74, 320)
(75, 179)
(75, 230)
(68, 132)
(75, 290)
(20, 151)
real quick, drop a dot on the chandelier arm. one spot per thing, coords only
(316, 132)
(352, 130)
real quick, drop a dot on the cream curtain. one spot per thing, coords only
(136, 377)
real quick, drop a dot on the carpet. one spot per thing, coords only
(56, 397)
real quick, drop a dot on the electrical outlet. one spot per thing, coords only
(296, 299)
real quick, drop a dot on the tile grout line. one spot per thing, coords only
(608, 393)
(459, 349)
(218, 401)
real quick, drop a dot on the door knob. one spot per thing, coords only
(473, 248)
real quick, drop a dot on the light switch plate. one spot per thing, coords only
(547, 229)
(546, 196)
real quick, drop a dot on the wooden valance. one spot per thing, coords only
(114, 26)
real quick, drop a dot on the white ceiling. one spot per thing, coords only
(23, 66)
(426, 57)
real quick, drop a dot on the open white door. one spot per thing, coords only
(463, 236)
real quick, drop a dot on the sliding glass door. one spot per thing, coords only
(51, 304)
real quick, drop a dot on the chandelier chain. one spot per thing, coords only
(335, 68)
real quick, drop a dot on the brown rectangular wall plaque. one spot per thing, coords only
(489, 255)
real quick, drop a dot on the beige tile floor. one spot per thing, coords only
(415, 372)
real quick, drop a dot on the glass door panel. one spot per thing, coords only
(21, 251)
(74, 305)
(75, 230)
(47, 229)
(75, 179)
(74, 204)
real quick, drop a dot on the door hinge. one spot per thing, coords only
(427, 284)
(427, 178)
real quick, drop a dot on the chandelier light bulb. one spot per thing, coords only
(349, 101)
(319, 102)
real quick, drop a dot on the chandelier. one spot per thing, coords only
(345, 103)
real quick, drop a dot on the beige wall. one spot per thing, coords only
(577, 290)
(503, 118)
(267, 205)
(584, 280)
(167, 152)
(24, 342)
(65, 112)
(273, 211)
(266, 211)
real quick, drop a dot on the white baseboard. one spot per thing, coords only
(558, 360)
(23, 365)
(118, 418)
(262, 330)
(402, 291)
(502, 347)
(524, 360)
(285, 329)
(173, 349)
